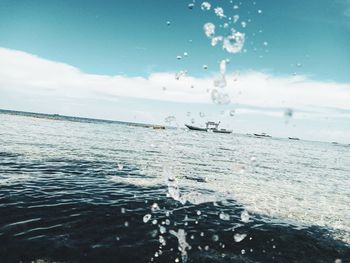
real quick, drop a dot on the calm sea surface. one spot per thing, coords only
(104, 192)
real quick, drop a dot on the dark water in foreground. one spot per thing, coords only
(77, 192)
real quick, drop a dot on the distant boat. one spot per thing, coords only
(210, 126)
(293, 138)
(262, 135)
(158, 127)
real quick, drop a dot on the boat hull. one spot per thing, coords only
(193, 128)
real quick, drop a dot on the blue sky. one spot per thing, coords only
(305, 61)
(131, 37)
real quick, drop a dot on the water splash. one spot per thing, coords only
(219, 11)
(209, 29)
(183, 245)
(234, 42)
(239, 237)
(205, 6)
(146, 218)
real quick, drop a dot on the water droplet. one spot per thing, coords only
(179, 57)
(232, 113)
(202, 115)
(243, 251)
(288, 113)
(120, 167)
(220, 97)
(215, 238)
(126, 223)
(185, 54)
(180, 74)
(168, 23)
(199, 212)
(162, 229)
(224, 216)
(216, 40)
(235, 18)
(235, 7)
(167, 222)
(206, 248)
(244, 24)
(191, 6)
(234, 42)
(239, 237)
(146, 218)
(209, 29)
(177, 260)
(122, 210)
(219, 12)
(205, 67)
(265, 43)
(259, 11)
(155, 207)
(154, 222)
(205, 6)
(245, 216)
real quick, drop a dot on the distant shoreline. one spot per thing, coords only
(78, 119)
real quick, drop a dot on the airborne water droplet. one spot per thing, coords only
(146, 218)
(155, 207)
(239, 237)
(205, 6)
(219, 12)
(245, 216)
(224, 216)
(209, 29)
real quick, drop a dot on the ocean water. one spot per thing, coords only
(106, 192)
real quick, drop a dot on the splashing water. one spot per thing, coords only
(234, 43)
(205, 6)
(183, 245)
(219, 12)
(180, 74)
(209, 29)
(224, 216)
(239, 237)
(146, 218)
(245, 216)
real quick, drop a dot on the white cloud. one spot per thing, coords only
(25, 73)
(31, 83)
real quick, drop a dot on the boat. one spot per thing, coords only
(210, 126)
(262, 135)
(195, 128)
(293, 138)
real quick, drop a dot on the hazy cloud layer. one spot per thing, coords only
(21, 72)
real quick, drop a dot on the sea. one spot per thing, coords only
(80, 190)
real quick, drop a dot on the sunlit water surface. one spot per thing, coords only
(104, 192)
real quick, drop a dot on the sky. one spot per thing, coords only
(118, 59)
